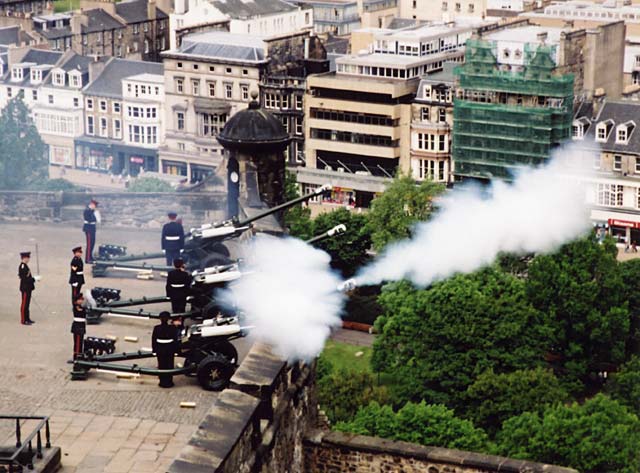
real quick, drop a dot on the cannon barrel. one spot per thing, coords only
(284, 206)
(337, 230)
(136, 314)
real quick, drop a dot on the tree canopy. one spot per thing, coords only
(624, 385)
(598, 436)
(439, 340)
(580, 290)
(425, 424)
(399, 208)
(23, 154)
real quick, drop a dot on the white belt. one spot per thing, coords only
(89, 223)
(79, 272)
(79, 319)
(172, 238)
(177, 285)
(165, 340)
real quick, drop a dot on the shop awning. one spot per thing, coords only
(217, 107)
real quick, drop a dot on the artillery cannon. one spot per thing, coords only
(203, 247)
(206, 348)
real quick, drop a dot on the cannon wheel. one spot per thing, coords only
(214, 372)
(227, 349)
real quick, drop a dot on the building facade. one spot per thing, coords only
(506, 118)
(338, 17)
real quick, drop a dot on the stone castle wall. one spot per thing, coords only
(127, 209)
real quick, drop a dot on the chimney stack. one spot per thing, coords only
(151, 10)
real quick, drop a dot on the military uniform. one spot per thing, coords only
(89, 229)
(165, 344)
(76, 277)
(178, 289)
(172, 239)
(78, 329)
(27, 286)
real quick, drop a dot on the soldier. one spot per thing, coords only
(79, 325)
(76, 278)
(172, 238)
(27, 285)
(178, 286)
(89, 228)
(165, 345)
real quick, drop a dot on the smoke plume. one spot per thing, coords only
(289, 295)
(543, 208)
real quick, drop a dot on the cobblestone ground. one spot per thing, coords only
(105, 423)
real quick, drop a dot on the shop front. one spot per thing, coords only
(115, 159)
(624, 231)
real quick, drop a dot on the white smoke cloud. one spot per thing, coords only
(289, 294)
(543, 208)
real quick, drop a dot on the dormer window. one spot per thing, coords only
(75, 80)
(58, 78)
(17, 73)
(579, 128)
(36, 75)
(604, 130)
(623, 132)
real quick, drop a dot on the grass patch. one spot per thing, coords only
(343, 355)
(61, 6)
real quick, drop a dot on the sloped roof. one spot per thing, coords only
(135, 11)
(109, 82)
(223, 45)
(250, 8)
(100, 20)
(619, 113)
(10, 35)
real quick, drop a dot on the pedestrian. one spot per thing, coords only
(27, 286)
(76, 278)
(634, 247)
(178, 286)
(89, 228)
(165, 344)
(172, 238)
(78, 326)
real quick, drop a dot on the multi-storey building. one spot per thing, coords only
(20, 8)
(123, 106)
(608, 130)
(506, 118)
(59, 111)
(358, 119)
(251, 17)
(431, 126)
(338, 17)
(442, 10)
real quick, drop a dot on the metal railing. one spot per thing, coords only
(23, 454)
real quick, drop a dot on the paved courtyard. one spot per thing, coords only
(105, 423)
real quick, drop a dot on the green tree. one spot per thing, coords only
(437, 341)
(342, 392)
(581, 292)
(630, 272)
(150, 184)
(624, 386)
(493, 398)
(23, 154)
(349, 250)
(297, 219)
(399, 208)
(425, 424)
(599, 436)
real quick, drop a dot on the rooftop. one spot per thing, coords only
(380, 59)
(252, 8)
(109, 82)
(223, 45)
(578, 9)
(13, 35)
(148, 77)
(136, 11)
(619, 113)
(527, 34)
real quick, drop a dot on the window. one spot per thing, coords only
(442, 115)
(180, 120)
(603, 130)
(195, 87)
(617, 163)
(622, 135)
(577, 131)
(181, 147)
(195, 67)
(117, 128)
(609, 194)
(299, 102)
(442, 142)
(211, 124)
(152, 136)
(444, 6)
(414, 4)
(58, 78)
(104, 130)
(146, 46)
(135, 47)
(228, 91)
(89, 104)
(135, 133)
(431, 169)
(212, 69)
(90, 126)
(103, 105)
(76, 102)
(75, 80)
(299, 127)
(34, 95)
(228, 70)
(244, 89)
(179, 85)
(50, 99)
(245, 72)
(151, 112)
(116, 107)
(212, 89)
(9, 92)
(145, 27)
(458, 7)
(471, 8)
(179, 65)
(424, 114)
(637, 165)
(136, 28)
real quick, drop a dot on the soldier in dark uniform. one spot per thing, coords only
(76, 278)
(27, 285)
(172, 238)
(165, 344)
(78, 326)
(178, 286)
(89, 229)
